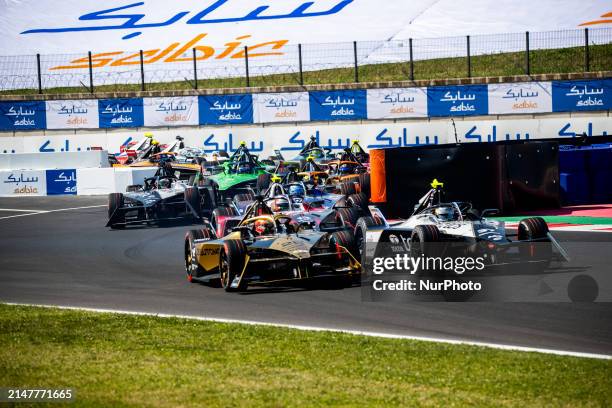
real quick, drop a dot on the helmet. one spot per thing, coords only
(296, 190)
(280, 204)
(163, 183)
(148, 134)
(275, 179)
(263, 227)
(445, 213)
(154, 142)
(345, 169)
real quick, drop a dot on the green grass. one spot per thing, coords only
(122, 360)
(563, 60)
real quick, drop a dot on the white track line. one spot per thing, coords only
(51, 211)
(325, 329)
(20, 210)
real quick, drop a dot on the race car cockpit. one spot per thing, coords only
(242, 161)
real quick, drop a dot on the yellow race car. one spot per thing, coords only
(269, 248)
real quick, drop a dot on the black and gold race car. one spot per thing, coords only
(269, 248)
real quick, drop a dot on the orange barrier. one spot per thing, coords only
(378, 176)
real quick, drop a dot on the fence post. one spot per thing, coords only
(527, 61)
(587, 62)
(195, 70)
(142, 78)
(356, 63)
(246, 65)
(469, 60)
(91, 86)
(411, 60)
(39, 73)
(300, 62)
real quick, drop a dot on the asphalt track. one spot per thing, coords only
(69, 258)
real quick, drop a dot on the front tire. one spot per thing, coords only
(231, 265)
(116, 201)
(535, 229)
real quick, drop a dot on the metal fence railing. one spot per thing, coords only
(292, 64)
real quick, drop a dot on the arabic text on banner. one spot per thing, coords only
(338, 105)
(392, 103)
(171, 111)
(72, 114)
(61, 182)
(520, 97)
(281, 107)
(126, 112)
(22, 183)
(18, 116)
(582, 95)
(457, 100)
(225, 109)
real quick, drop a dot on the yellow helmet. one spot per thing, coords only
(243, 144)
(355, 141)
(276, 178)
(154, 142)
(310, 158)
(148, 134)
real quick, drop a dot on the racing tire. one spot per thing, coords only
(192, 198)
(192, 267)
(349, 216)
(347, 188)
(358, 201)
(425, 241)
(231, 265)
(345, 239)
(221, 212)
(364, 183)
(361, 227)
(116, 201)
(535, 228)
(244, 197)
(263, 182)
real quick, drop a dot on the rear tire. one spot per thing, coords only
(425, 241)
(349, 216)
(221, 212)
(358, 201)
(535, 228)
(364, 183)
(192, 198)
(192, 267)
(231, 265)
(347, 188)
(116, 201)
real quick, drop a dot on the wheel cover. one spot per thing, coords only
(224, 271)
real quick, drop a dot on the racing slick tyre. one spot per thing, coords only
(425, 241)
(364, 183)
(231, 265)
(116, 201)
(193, 200)
(221, 212)
(263, 182)
(538, 254)
(359, 201)
(347, 188)
(361, 227)
(345, 239)
(244, 197)
(192, 267)
(348, 216)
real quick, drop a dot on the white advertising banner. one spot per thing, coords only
(72, 114)
(23, 183)
(281, 107)
(392, 103)
(520, 97)
(171, 111)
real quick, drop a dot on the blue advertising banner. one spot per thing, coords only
(60, 182)
(457, 100)
(582, 95)
(338, 105)
(124, 112)
(225, 109)
(22, 115)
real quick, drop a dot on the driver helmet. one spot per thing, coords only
(280, 204)
(445, 213)
(148, 134)
(243, 168)
(345, 169)
(296, 190)
(154, 142)
(163, 183)
(263, 227)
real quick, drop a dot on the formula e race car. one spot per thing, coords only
(171, 194)
(440, 229)
(268, 248)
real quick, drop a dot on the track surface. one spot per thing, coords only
(70, 258)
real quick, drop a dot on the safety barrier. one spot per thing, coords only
(57, 160)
